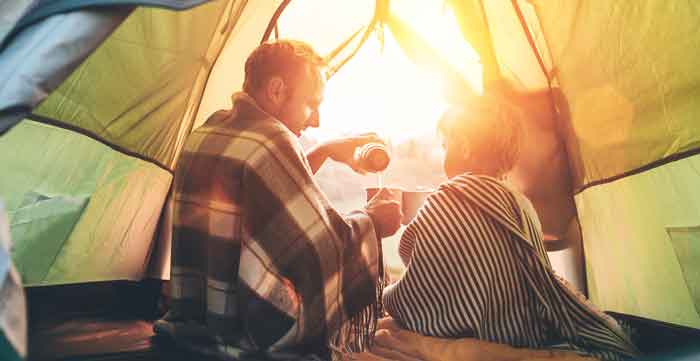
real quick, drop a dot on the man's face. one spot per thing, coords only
(300, 109)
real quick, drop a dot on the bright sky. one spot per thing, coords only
(381, 90)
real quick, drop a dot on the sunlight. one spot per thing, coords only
(381, 90)
(437, 24)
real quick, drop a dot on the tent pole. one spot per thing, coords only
(273, 21)
(531, 41)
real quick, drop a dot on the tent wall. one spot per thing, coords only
(474, 25)
(134, 90)
(88, 215)
(40, 57)
(631, 80)
(227, 73)
(630, 85)
(84, 206)
(642, 243)
(516, 60)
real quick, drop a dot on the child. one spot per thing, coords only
(476, 265)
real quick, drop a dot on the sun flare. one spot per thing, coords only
(380, 89)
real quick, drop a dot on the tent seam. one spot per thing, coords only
(647, 167)
(273, 21)
(90, 134)
(195, 107)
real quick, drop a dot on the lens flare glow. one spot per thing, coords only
(380, 89)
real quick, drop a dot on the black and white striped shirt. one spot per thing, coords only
(476, 267)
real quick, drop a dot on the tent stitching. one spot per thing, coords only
(229, 28)
(649, 166)
(90, 134)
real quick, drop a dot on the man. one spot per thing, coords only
(261, 260)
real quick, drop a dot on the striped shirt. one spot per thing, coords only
(476, 267)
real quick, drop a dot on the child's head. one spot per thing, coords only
(482, 136)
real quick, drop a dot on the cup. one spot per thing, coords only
(396, 193)
(411, 201)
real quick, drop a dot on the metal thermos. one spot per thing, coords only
(372, 157)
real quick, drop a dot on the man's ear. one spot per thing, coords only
(276, 90)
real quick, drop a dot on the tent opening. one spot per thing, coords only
(380, 89)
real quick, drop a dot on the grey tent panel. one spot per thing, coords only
(45, 8)
(11, 12)
(33, 63)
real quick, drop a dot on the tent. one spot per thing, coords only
(13, 327)
(93, 118)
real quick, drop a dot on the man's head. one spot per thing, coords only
(284, 78)
(482, 137)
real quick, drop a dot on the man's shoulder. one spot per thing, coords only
(242, 141)
(235, 123)
(220, 115)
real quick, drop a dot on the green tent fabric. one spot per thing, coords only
(146, 73)
(22, 13)
(611, 86)
(419, 51)
(642, 252)
(624, 87)
(104, 168)
(46, 8)
(474, 25)
(42, 47)
(38, 215)
(631, 85)
(89, 215)
(42, 55)
(631, 81)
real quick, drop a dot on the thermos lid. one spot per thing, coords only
(378, 158)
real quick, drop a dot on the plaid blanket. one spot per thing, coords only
(261, 260)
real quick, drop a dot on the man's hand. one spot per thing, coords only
(385, 213)
(341, 150)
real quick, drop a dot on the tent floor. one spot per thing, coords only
(95, 321)
(95, 339)
(112, 321)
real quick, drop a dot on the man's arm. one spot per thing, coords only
(341, 150)
(317, 156)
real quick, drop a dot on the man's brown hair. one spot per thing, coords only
(284, 58)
